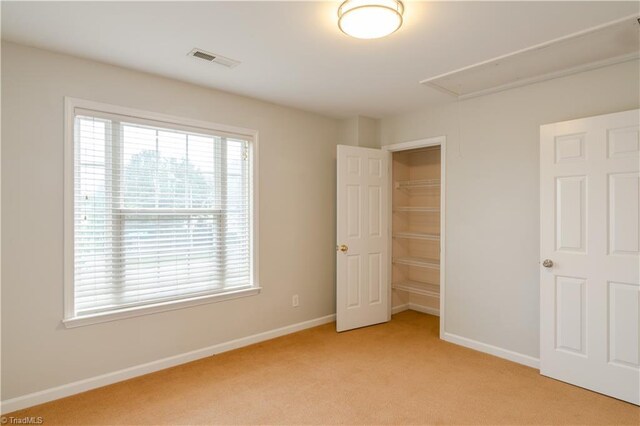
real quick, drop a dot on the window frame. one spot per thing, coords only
(180, 123)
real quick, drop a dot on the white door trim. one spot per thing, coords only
(424, 143)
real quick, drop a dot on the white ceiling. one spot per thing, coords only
(292, 53)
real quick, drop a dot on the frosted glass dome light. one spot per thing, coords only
(370, 18)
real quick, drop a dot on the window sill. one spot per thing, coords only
(158, 307)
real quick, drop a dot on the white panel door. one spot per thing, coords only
(590, 246)
(362, 240)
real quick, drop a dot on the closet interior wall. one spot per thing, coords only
(416, 229)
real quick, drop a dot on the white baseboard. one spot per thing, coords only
(399, 308)
(73, 388)
(415, 307)
(527, 360)
(424, 309)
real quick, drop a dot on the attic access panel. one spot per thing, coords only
(604, 45)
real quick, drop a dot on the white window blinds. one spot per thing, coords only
(160, 213)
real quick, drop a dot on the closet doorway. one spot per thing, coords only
(416, 237)
(390, 231)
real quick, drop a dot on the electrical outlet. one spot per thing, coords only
(295, 301)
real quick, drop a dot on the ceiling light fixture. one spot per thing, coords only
(370, 18)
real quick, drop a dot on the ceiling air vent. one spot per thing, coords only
(214, 58)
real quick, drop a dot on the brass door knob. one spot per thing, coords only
(547, 263)
(343, 248)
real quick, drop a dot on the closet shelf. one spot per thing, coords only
(417, 287)
(412, 209)
(417, 261)
(415, 184)
(417, 236)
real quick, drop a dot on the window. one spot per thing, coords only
(161, 213)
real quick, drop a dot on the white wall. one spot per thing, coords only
(492, 216)
(359, 131)
(368, 132)
(492, 230)
(297, 238)
(348, 131)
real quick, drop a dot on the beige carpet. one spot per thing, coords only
(394, 373)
